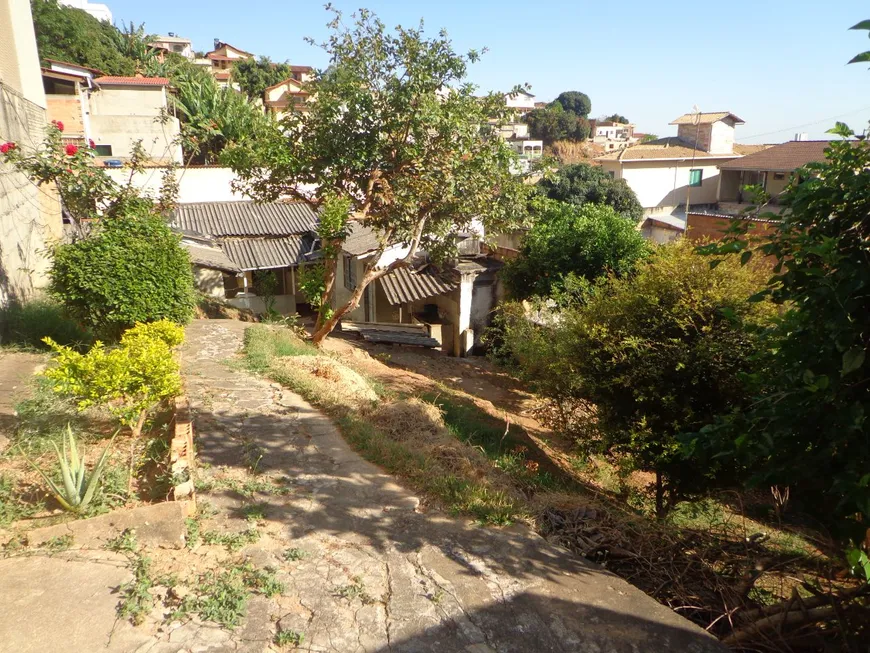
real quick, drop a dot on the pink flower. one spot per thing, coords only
(91, 143)
(71, 149)
(58, 124)
(7, 147)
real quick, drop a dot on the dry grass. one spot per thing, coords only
(575, 151)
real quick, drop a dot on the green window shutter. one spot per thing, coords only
(695, 177)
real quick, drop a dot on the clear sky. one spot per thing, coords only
(778, 64)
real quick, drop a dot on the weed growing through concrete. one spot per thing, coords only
(255, 512)
(136, 599)
(124, 542)
(356, 590)
(294, 554)
(12, 507)
(59, 544)
(232, 541)
(286, 638)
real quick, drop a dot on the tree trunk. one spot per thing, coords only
(326, 328)
(329, 268)
(660, 495)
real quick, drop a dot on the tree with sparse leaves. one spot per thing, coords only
(395, 129)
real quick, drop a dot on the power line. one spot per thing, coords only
(806, 124)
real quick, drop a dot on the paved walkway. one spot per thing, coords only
(378, 574)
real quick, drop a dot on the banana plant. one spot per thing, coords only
(78, 488)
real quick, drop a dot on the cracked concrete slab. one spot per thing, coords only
(375, 574)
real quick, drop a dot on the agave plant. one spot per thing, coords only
(78, 488)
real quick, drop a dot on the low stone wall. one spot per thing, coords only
(182, 456)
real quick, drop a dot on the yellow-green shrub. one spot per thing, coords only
(129, 379)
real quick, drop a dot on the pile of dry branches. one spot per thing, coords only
(714, 580)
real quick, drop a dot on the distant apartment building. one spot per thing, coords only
(175, 44)
(516, 131)
(612, 135)
(30, 216)
(95, 9)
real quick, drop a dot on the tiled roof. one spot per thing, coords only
(266, 253)
(222, 75)
(223, 219)
(361, 240)
(662, 148)
(784, 157)
(706, 118)
(301, 69)
(747, 149)
(133, 81)
(404, 285)
(210, 257)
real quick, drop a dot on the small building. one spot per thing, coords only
(453, 302)
(124, 110)
(521, 102)
(285, 96)
(770, 168)
(98, 10)
(238, 247)
(612, 135)
(175, 44)
(669, 174)
(222, 59)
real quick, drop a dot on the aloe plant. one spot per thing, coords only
(78, 488)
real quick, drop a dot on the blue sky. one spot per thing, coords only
(778, 64)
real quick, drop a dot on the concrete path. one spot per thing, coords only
(376, 573)
(16, 371)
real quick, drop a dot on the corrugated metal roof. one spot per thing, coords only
(266, 253)
(245, 218)
(360, 240)
(404, 285)
(210, 257)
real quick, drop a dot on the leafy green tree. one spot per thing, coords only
(616, 117)
(131, 269)
(645, 358)
(807, 426)
(649, 137)
(69, 34)
(864, 57)
(256, 75)
(570, 246)
(395, 130)
(553, 123)
(575, 102)
(211, 117)
(582, 183)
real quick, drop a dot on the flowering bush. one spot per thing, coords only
(6, 147)
(71, 149)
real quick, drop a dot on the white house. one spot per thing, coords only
(522, 102)
(671, 173)
(174, 43)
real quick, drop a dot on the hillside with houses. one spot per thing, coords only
(364, 357)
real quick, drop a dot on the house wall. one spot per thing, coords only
(712, 227)
(196, 184)
(775, 186)
(29, 215)
(661, 186)
(342, 294)
(128, 101)
(717, 137)
(68, 110)
(122, 132)
(209, 281)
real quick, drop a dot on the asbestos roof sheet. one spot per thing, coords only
(706, 118)
(210, 257)
(670, 147)
(227, 219)
(361, 239)
(403, 285)
(267, 253)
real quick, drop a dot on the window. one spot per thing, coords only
(177, 48)
(778, 176)
(349, 271)
(612, 174)
(695, 176)
(103, 150)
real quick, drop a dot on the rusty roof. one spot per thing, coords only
(404, 285)
(225, 219)
(784, 157)
(706, 118)
(267, 253)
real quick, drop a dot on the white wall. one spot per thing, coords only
(204, 184)
(664, 185)
(122, 132)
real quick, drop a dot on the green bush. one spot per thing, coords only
(131, 269)
(647, 358)
(584, 183)
(28, 324)
(129, 379)
(570, 246)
